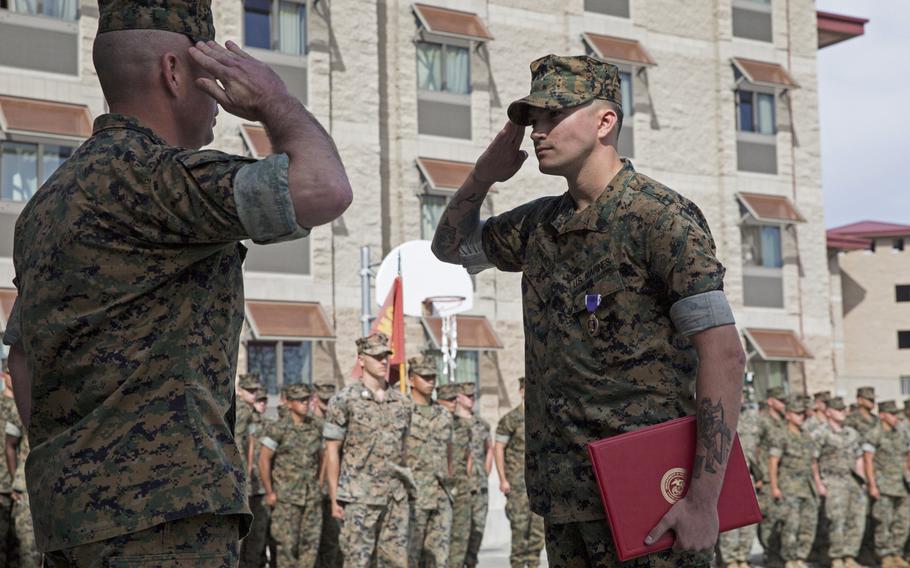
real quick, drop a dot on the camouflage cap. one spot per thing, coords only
(777, 392)
(325, 391)
(837, 403)
(424, 365)
(467, 389)
(796, 405)
(249, 381)
(298, 392)
(823, 396)
(262, 396)
(565, 82)
(866, 392)
(888, 406)
(447, 391)
(375, 344)
(192, 18)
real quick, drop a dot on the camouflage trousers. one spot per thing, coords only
(203, 541)
(736, 545)
(800, 519)
(252, 549)
(892, 524)
(590, 545)
(527, 530)
(329, 552)
(769, 529)
(430, 533)
(29, 557)
(461, 525)
(375, 535)
(6, 527)
(480, 502)
(296, 530)
(845, 507)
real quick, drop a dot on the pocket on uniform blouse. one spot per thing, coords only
(606, 285)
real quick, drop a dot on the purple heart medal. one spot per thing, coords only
(592, 302)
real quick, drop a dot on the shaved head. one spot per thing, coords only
(150, 75)
(128, 62)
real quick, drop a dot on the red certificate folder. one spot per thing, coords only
(642, 473)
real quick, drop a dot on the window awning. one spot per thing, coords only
(777, 344)
(288, 320)
(34, 116)
(835, 28)
(770, 208)
(474, 332)
(764, 74)
(445, 175)
(455, 23)
(7, 300)
(618, 50)
(256, 140)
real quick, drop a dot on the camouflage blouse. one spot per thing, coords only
(295, 469)
(602, 355)
(511, 432)
(429, 440)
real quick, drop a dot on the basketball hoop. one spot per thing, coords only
(446, 307)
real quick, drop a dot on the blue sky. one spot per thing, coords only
(864, 99)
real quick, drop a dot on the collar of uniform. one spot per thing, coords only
(110, 121)
(597, 216)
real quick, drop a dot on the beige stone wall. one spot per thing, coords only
(872, 317)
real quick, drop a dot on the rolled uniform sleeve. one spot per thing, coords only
(12, 430)
(13, 332)
(872, 440)
(209, 196)
(269, 443)
(336, 420)
(683, 257)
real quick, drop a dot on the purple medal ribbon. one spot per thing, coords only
(592, 302)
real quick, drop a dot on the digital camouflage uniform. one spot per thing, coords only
(28, 555)
(296, 522)
(480, 486)
(7, 537)
(736, 545)
(772, 514)
(461, 483)
(252, 549)
(629, 258)
(329, 552)
(891, 511)
(527, 527)
(130, 305)
(428, 445)
(845, 505)
(864, 425)
(799, 505)
(374, 483)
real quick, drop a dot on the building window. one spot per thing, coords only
(25, 166)
(61, 9)
(275, 25)
(902, 292)
(755, 112)
(444, 89)
(292, 361)
(897, 245)
(619, 8)
(431, 210)
(767, 374)
(905, 385)
(752, 20)
(903, 339)
(763, 284)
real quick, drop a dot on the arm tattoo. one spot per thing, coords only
(713, 436)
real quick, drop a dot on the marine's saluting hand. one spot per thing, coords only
(247, 85)
(503, 157)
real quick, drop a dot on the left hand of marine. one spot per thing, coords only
(695, 526)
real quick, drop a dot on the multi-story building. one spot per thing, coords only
(720, 103)
(870, 291)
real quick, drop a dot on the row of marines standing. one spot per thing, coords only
(826, 475)
(368, 475)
